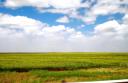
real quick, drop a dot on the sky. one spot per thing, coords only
(63, 26)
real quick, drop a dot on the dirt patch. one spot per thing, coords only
(29, 69)
(15, 69)
(15, 77)
(20, 70)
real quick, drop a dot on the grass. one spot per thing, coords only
(55, 67)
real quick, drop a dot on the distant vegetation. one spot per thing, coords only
(58, 67)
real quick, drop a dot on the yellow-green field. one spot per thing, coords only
(58, 67)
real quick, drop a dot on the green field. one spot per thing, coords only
(58, 67)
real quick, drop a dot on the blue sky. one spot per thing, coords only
(81, 17)
(51, 18)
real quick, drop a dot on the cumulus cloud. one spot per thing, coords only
(103, 7)
(23, 34)
(20, 23)
(107, 28)
(68, 7)
(114, 28)
(43, 3)
(93, 8)
(64, 19)
(125, 19)
(64, 4)
(20, 33)
(21, 3)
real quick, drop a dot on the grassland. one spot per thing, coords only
(57, 67)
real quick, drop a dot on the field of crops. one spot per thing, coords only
(58, 67)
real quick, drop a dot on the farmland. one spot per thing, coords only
(57, 67)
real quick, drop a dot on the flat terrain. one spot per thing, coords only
(58, 67)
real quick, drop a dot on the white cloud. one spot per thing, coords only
(103, 7)
(63, 11)
(19, 33)
(23, 34)
(21, 3)
(28, 25)
(125, 19)
(43, 3)
(109, 26)
(70, 7)
(65, 4)
(112, 29)
(64, 19)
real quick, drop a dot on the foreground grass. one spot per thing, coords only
(55, 67)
